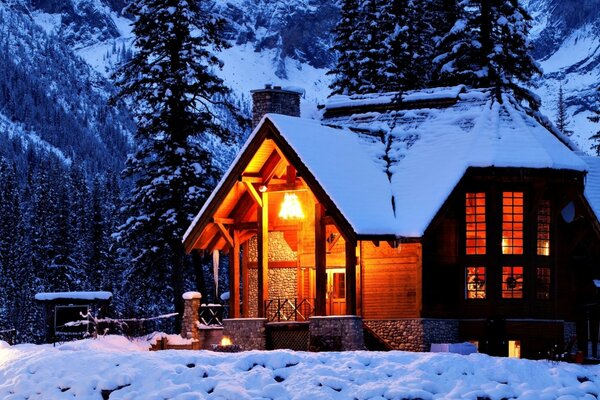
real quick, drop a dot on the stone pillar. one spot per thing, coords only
(189, 322)
(274, 99)
(336, 333)
(248, 333)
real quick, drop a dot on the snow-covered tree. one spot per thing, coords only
(407, 46)
(562, 118)
(488, 46)
(347, 47)
(371, 67)
(174, 94)
(17, 278)
(596, 118)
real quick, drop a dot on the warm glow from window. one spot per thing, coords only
(542, 283)
(291, 208)
(543, 228)
(512, 282)
(512, 223)
(475, 223)
(475, 283)
(514, 348)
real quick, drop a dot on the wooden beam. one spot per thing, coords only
(263, 254)
(225, 234)
(270, 167)
(331, 243)
(291, 176)
(283, 187)
(245, 281)
(245, 226)
(253, 193)
(224, 221)
(350, 277)
(234, 277)
(320, 261)
(252, 179)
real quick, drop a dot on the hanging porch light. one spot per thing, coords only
(291, 207)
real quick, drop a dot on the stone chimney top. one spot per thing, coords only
(274, 99)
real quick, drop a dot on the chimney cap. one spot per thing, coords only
(271, 88)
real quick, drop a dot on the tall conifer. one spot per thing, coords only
(488, 47)
(173, 92)
(347, 47)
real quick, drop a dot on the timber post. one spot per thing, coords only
(320, 261)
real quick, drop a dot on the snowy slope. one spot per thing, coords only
(286, 43)
(114, 368)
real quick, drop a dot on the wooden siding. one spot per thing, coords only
(391, 281)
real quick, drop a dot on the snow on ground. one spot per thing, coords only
(114, 368)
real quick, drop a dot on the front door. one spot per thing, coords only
(336, 291)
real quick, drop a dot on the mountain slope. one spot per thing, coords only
(54, 96)
(287, 43)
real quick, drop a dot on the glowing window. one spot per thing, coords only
(542, 283)
(475, 282)
(475, 223)
(543, 228)
(514, 348)
(512, 223)
(512, 282)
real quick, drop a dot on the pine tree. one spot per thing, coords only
(488, 47)
(407, 46)
(596, 119)
(371, 66)
(17, 278)
(174, 95)
(346, 46)
(562, 118)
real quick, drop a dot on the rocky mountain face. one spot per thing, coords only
(287, 43)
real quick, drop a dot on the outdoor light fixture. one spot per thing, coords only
(262, 188)
(291, 208)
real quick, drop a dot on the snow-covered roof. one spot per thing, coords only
(374, 99)
(73, 296)
(390, 171)
(344, 167)
(428, 150)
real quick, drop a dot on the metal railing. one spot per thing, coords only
(289, 309)
(212, 315)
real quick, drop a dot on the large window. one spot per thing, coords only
(512, 282)
(543, 228)
(475, 223)
(475, 279)
(512, 223)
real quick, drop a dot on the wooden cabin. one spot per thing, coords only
(444, 216)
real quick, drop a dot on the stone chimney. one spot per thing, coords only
(274, 99)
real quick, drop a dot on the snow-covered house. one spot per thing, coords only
(436, 216)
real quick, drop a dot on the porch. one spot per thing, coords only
(292, 254)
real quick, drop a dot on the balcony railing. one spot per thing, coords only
(212, 314)
(289, 309)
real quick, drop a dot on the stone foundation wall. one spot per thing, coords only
(415, 334)
(248, 333)
(282, 284)
(336, 333)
